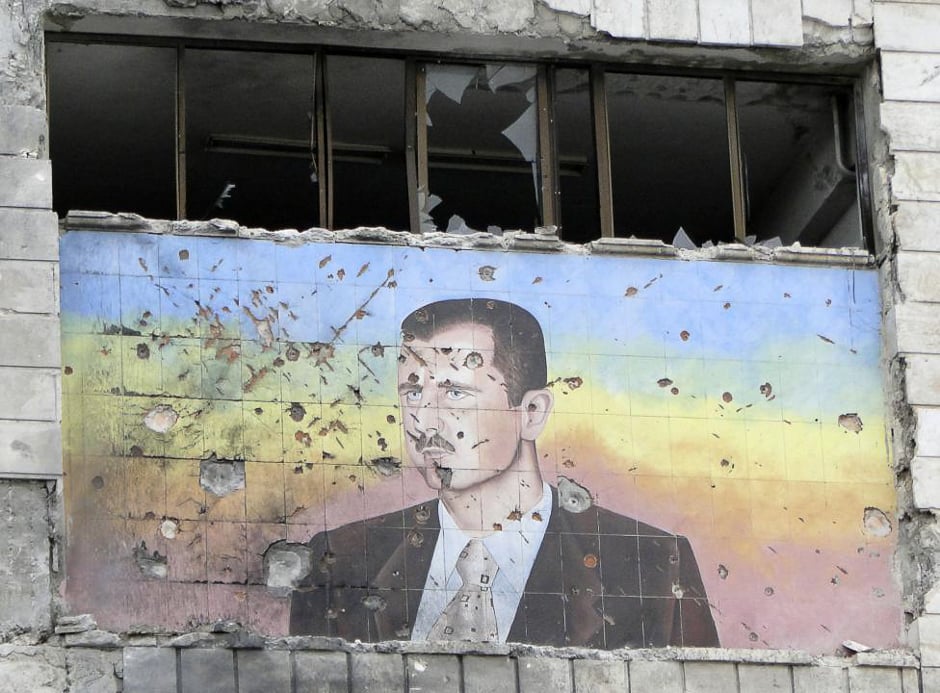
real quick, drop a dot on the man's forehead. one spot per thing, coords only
(466, 336)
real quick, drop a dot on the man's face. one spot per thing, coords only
(460, 428)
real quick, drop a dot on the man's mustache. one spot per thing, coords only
(435, 441)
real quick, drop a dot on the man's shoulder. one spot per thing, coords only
(423, 515)
(599, 520)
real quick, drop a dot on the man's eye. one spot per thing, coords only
(455, 394)
(413, 396)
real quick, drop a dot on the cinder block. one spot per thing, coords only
(207, 671)
(927, 436)
(928, 637)
(724, 21)
(930, 680)
(662, 677)
(433, 672)
(29, 287)
(582, 7)
(327, 671)
(33, 669)
(29, 234)
(675, 20)
(913, 328)
(24, 544)
(93, 671)
(831, 12)
(29, 340)
(25, 183)
(264, 671)
(23, 131)
(709, 677)
(910, 681)
(916, 224)
(910, 76)
(762, 678)
(917, 275)
(907, 26)
(541, 674)
(777, 23)
(912, 126)
(917, 174)
(488, 674)
(620, 18)
(862, 13)
(600, 675)
(812, 679)
(922, 379)
(31, 394)
(29, 448)
(379, 673)
(149, 669)
(875, 680)
(925, 475)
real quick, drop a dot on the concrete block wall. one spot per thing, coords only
(908, 37)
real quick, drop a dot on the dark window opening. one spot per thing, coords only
(314, 138)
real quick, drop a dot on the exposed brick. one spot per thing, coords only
(662, 677)
(537, 675)
(599, 675)
(777, 23)
(761, 678)
(381, 673)
(709, 677)
(264, 671)
(433, 672)
(488, 674)
(30, 448)
(23, 131)
(875, 680)
(149, 669)
(207, 671)
(29, 234)
(25, 183)
(812, 679)
(329, 672)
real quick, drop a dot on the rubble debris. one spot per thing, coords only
(221, 477)
(80, 623)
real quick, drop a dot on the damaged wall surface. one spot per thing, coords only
(227, 400)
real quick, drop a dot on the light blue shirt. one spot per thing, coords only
(513, 549)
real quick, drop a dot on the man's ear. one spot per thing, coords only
(534, 410)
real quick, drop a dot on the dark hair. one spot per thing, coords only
(519, 348)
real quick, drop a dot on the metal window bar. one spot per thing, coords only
(411, 143)
(548, 161)
(734, 155)
(320, 138)
(602, 144)
(180, 132)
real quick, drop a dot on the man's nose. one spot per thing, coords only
(428, 416)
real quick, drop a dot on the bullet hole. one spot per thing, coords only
(68, 370)
(835, 580)
(684, 335)
(460, 435)
(97, 483)
(390, 419)
(752, 636)
(445, 474)
(184, 254)
(292, 353)
(569, 463)
(722, 571)
(170, 527)
(786, 295)
(382, 443)
(851, 422)
(422, 514)
(161, 418)
(136, 451)
(726, 397)
(572, 496)
(415, 538)
(325, 261)
(664, 382)
(487, 273)
(374, 602)
(726, 306)
(497, 527)
(386, 466)
(143, 351)
(537, 280)
(590, 561)
(259, 411)
(474, 360)
(297, 411)
(286, 564)
(766, 390)
(537, 516)
(674, 390)
(875, 523)
(877, 592)
(515, 515)
(573, 383)
(151, 565)
(725, 463)
(406, 337)
(413, 378)
(768, 591)
(718, 288)
(677, 590)
(303, 438)
(631, 291)
(825, 339)
(221, 477)
(378, 350)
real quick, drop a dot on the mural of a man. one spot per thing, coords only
(500, 555)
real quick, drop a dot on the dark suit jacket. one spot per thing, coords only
(600, 580)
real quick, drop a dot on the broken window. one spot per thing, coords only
(316, 138)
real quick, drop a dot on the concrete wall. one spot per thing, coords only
(815, 35)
